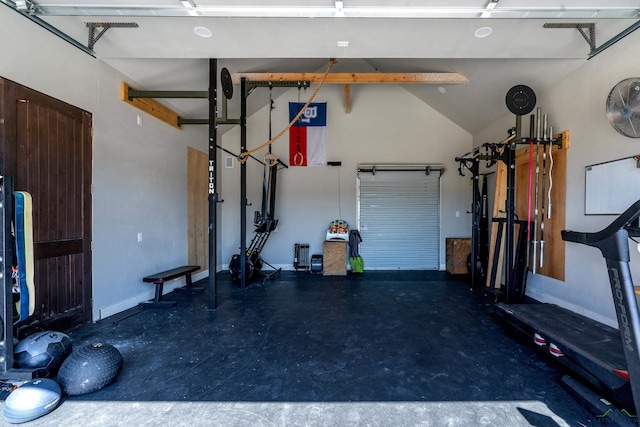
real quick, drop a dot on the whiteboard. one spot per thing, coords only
(611, 187)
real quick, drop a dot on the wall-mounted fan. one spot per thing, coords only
(623, 107)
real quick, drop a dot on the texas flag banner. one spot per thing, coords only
(308, 135)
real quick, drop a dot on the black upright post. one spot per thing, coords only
(213, 192)
(511, 284)
(243, 185)
(510, 231)
(6, 255)
(483, 238)
(7, 371)
(626, 310)
(273, 175)
(475, 221)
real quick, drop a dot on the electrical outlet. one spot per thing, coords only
(139, 237)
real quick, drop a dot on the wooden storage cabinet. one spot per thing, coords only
(458, 250)
(334, 261)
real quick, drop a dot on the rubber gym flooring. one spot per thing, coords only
(377, 349)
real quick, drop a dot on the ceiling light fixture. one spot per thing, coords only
(203, 32)
(442, 89)
(483, 32)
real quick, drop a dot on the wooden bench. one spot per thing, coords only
(159, 279)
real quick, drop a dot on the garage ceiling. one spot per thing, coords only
(165, 51)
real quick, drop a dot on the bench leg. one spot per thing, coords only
(157, 302)
(189, 289)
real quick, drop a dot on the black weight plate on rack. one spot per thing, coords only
(227, 84)
(521, 100)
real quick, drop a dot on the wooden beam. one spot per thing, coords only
(347, 99)
(355, 78)
(150, 106)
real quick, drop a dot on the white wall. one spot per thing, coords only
(139, 186)
(577, 103)
(35, 58)
(386, 125)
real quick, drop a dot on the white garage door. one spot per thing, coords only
(398, 216)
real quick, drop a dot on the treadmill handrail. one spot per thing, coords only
(623, 221)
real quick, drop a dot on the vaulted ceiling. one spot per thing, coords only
(496, 44)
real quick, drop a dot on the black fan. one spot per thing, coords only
(623, 107)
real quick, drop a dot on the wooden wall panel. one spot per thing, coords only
(554, 246)
(198, 208)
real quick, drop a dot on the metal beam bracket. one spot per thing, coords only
(591, 26)
(93, 38)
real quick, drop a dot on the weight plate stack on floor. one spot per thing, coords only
(89, 369)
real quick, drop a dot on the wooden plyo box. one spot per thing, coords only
(334, 261)
(458, 249)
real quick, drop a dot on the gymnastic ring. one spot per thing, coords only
(298, 159)
(270, 159)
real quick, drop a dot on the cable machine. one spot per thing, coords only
(265, 221)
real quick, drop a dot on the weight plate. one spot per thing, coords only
(227, 84)
(521, 100)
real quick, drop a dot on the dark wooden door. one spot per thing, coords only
(46, 146)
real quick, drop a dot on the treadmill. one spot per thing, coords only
(604, 362)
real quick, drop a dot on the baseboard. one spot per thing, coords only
(149, 294)
(122, 305)
(200, 275)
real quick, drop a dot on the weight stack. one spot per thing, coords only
(301, 257)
